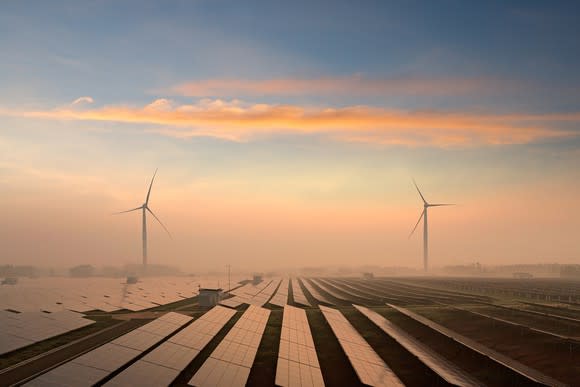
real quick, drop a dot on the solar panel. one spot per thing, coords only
(143, 373)
(71, 374)
(297, 360)
(281, 296)
(329, 289)
(348, 289)
(298, 294)
(22, 329)
(171, 355)
(231, 361)
(111, 356)
(442, 367)
(167, 361)
(518, 367)
(316, 294)
(252, 294)
(369, 367)
(53, 294)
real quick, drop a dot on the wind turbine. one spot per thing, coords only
(426, 206)
(145, 207)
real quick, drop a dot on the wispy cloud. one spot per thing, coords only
(82, 100)
(352, 85)
(239, 121)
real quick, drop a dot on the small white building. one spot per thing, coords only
(209, 297)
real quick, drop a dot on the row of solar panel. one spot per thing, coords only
(229, 364)
(53, 294)
(252, 294)
(369, 367)
(444, 368)
(161, 366)
(244, 294)
(298, 294)
(231, 361)
(347, 288)
(22, 329)
(530, 373)
(96, 365)
(316, 294)
(281, 296)
(297, 360)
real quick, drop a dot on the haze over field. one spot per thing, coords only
(288, 135)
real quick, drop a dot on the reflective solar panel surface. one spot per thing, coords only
(165, 362)
(97, 293)
(231, 361)
(444, 368)
(22, 329)
(329, 289)
(496, 356)
(297, 360)
(315, 293)
(111, 356)
(298, 294)
(50, 306)
(369, 367)
(252, 294)
(281, 296)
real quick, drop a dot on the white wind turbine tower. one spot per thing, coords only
(145, 207)
(426, 205)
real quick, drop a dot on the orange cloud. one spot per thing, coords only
(238, 121)
(354, 85)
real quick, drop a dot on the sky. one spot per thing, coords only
(288, 134)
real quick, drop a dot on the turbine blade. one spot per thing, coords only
(133, 209)
(441, 204)
(416, 224)
(420, 194)
(162, 225)
(150, 185)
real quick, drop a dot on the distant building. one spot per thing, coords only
(10, 281)
(209, 297)
(17, 271)
(257, 279)
(570, 271)
(82, 271)
(522, 275)
(368, 276)
(132, 279)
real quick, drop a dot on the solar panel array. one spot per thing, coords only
(54, 294)
(298, 294)
(231, 361)
(442, 367)
(329, 289)
(316, 294)
(252, 294)
(263, 296)
(161, 366)
(281, 296)
(97, 364)
(22, 329)
(515, 365)
(348, 289)
(369, 367)
(244, 294)
(297, 361)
